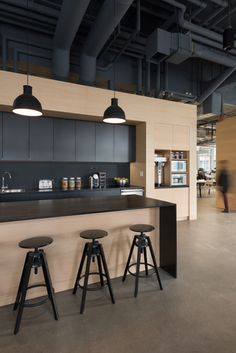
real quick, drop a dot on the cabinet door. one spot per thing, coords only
(41, 139)
(121, 143)
(0, 135)
(104, 143)
(163, 135)
(85, 141)
(64, 140)
(15, 137)
(132, 143)
(181, 137)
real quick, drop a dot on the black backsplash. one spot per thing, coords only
(27, 174)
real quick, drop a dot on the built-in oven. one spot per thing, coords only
(178, 179)
(178, 166)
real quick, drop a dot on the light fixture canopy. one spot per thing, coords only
(114, 114)
(228, 38)
(27, 104)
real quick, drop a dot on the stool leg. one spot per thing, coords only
(20, 284)
(80, 268)
(48, 282)
(145, 260)
(137, 268)
(106, 272)
(24, 287)
(89, 257)
(129, 258)
(100, 270)
(154, 262)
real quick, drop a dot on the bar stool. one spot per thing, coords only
(34, 259)
(93, 250)
(142, 241)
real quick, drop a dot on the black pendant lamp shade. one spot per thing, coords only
(228, 38)
(114, 114)
(27, 104)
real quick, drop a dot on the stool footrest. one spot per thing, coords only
(140, 275)
(89, 288)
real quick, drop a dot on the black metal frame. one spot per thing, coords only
(92, 250)
(142, 242)
(34, 259)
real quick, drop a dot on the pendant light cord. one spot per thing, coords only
(27, 43)
(229, 12)
(114, 27)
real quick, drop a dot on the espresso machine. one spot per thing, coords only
(160, 162)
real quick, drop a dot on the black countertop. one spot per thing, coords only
(26, 210)
(30, 195)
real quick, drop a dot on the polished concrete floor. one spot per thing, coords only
(195, 313)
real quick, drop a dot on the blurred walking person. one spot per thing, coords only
(223, 183)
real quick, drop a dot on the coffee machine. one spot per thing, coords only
(159, 170)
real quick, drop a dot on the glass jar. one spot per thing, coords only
(64, 183)
(72, 183)
(78, 183)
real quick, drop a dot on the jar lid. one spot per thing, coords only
(78, 177)
(72, 178)
(65, 178)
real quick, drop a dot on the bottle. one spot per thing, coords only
(72, 183)
(78, 183)
(64, 183)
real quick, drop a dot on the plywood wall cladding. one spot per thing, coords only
(161, 124)
(226, 146)
(65, 252)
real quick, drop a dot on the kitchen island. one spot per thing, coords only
(64, 219)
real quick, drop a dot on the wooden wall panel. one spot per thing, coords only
(225, 150)
(64, 99)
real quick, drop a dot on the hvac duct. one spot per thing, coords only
(71, 15)
(103, 27)
(193, 27)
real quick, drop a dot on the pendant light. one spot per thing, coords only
(26, 103)
(114, 114)
(228, 35)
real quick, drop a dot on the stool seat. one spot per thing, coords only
(93, 234)
(142, 228)
(35, 242)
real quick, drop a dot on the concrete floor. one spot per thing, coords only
(195, 313)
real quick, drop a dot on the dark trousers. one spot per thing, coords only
(225, 198)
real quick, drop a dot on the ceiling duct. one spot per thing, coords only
(176, 46)
(102, 29)
(70, 18)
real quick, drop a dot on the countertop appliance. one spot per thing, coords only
(94, 181)
(160, 162)
(132, 191)
(178, 179)
(45, 184)
(178, 166)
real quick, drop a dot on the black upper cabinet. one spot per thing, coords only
(0, 135)
(64, 140)
(41, 139)
(121, 143)
(132, 143)
(104, 143)
(85, 141)
(15, 137)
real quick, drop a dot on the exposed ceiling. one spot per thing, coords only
(167, 49)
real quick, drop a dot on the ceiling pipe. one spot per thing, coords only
(214, 56)
(70, 18)
(209, 42)
(215, 84)
(99, 34)
(193, 27)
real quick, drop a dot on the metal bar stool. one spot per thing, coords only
(142, 242)
(34, 259)
(93, 250)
